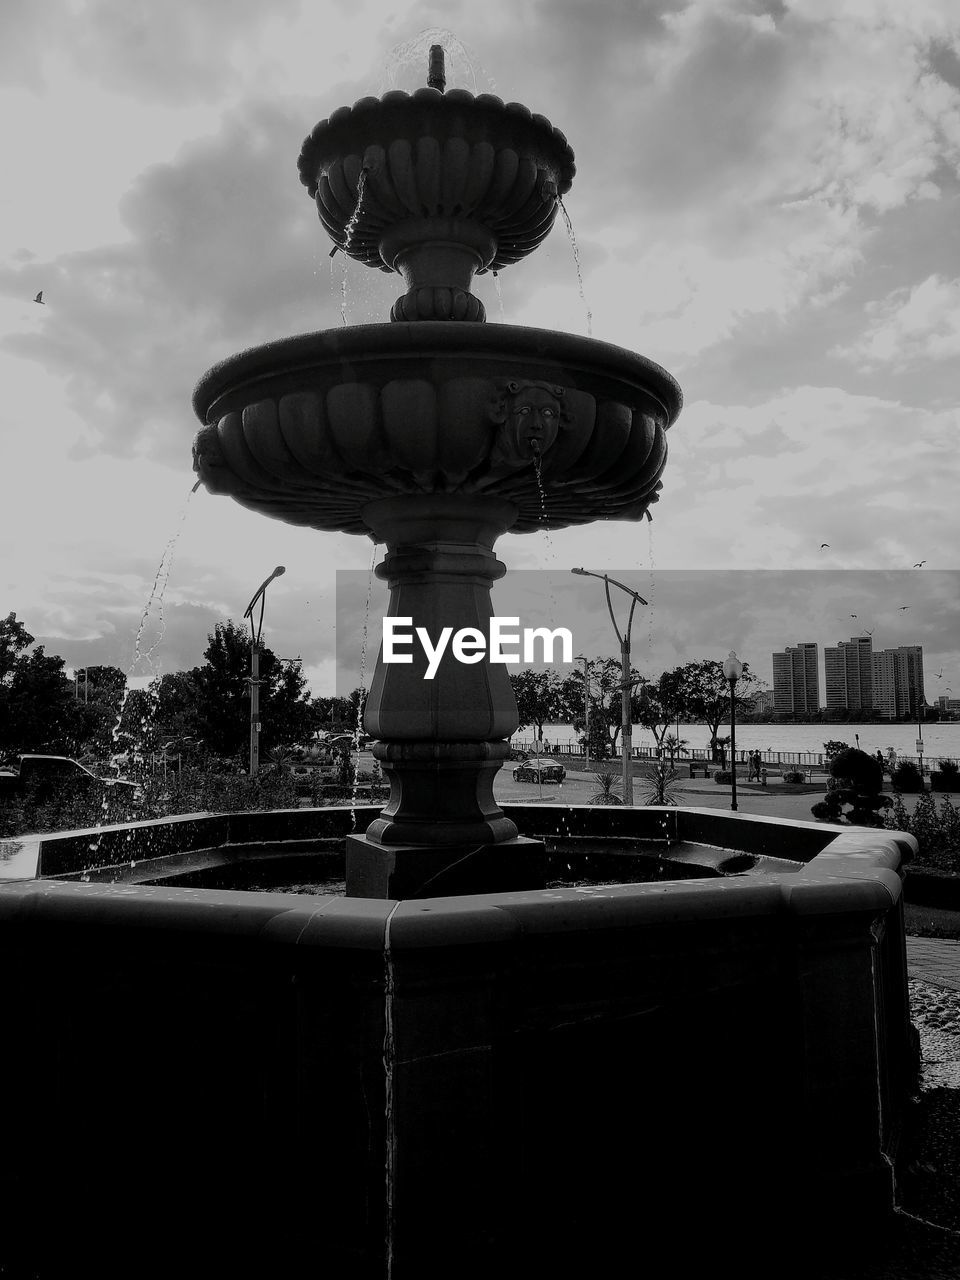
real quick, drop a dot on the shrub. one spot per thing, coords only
(907, 777)
(833, 748)
(659, 782)
(937, 830)
(793, 775)
(723, 776)
(605, 793)
(855, 781)
(946, 776)
(857, 770)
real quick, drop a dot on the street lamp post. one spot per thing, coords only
(733, 670)
(920, 736)
(586, 708)
(254, 679)
(626, 684)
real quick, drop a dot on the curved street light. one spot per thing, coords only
(626, 684)
(733, 670)
(254, 679)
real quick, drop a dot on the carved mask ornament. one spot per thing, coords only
(530, 416)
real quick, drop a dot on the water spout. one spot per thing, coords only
(436, 74)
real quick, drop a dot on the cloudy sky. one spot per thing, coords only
(767, 202)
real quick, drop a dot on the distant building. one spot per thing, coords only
(949, 708)
(763, 701)
(848, 674)
(898, 681)
(796, 679)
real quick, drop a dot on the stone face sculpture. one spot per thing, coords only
(529, 416)
(434, 434)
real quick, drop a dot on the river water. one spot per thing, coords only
(939, 740)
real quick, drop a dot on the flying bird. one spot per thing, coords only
(920, 564)
(39, 298)
(904, 606)
(853, 615)
(824, 544)
(940, 674)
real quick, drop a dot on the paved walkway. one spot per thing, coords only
(935, 960)
(776, 800)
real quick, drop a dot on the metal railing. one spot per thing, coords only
(799, 759)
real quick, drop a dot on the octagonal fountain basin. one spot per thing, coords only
(434, 1086)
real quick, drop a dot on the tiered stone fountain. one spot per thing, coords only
(506, 1080)
(435, 434)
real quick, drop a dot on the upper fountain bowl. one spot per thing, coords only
(437, 186)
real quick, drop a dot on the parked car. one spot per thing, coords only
(45, 775)
(539, 771)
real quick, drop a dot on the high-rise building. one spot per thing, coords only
(898, 681)
(763, 701)
(848, 674)
(796, 679)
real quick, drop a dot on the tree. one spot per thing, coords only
(212, 702)
(332, 715)
(604, 685)
(98, 710)
(702, 692)
(14, 640)
(656, 705)
(540, 698)
(38, 711)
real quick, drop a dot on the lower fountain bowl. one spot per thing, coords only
(312, 428)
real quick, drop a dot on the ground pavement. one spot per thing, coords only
(776, 800)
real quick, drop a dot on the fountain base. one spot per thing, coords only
(403, 871)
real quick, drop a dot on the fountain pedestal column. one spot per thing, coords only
(441, 741)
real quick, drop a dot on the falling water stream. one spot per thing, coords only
(651, 585)
(160, 580)
(361, 701)
(576, 262)
(354, 218)
(343, 287)
(499, 288)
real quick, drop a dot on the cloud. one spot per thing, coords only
(224, 251)
(28, 27)
(811, 465)
(122, 45)
(911, 326)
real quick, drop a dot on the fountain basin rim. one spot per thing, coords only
(365, 346)
(823, 849)
(426, 922)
